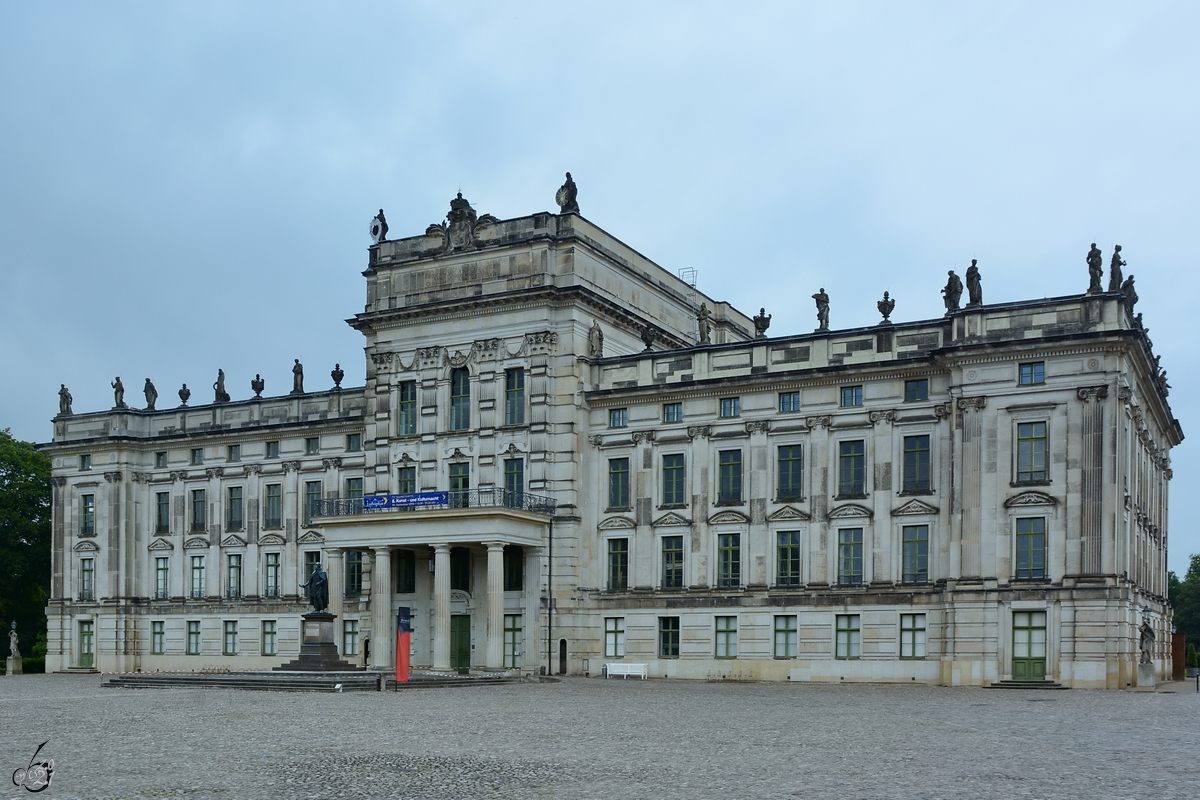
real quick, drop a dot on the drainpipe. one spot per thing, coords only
(550, 604)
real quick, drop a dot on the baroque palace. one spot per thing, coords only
(565, 456)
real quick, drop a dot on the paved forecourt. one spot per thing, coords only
(589, 738)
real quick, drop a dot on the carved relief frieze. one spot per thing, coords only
(270, 539)
(486, 349)
(253, 469)
(86, 547)
(233, 541)
(161, 544)
(311, 537)
(178, 475)
(58, 481)
(382, 360)
(459, 359)
(942, 411)
(538, 343)
(428, 357)
(195, 543)
(1124, 394)
(513, 450)
(139, 477)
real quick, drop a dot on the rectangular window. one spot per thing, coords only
(788, 559)
(230, 648)
(852, 469)
(790, 461)
(460, 400)
(785, 635)
(618, 417)
(312, 560)
(199, 510)
(614, 637)
(269, 640)
(916, 464)
(850, 556)
(672, 562)
(460, 485)
(912, 635)
(514, 568)
(354, 573)
(312, 445)
(353, 442)
(789, 401)
(730, 469)
(233, 509)
(234, 576)
(674, 480)
(849, 636)
(514, 482)
(731, 407)
(1031, 547)
(157, 636)
(197, 577)
(726, 637)
(312, 498)
(197, 456)
(916, 390)
(233, 452)
(512, 640)
(350, 637)
(460, 569)
(354, 488)
(162, 578)
(618, 564)
(851, 396)
(193, 637)
(618, 483)
(162, 512)
(274, 515)
(1031, 451)
(160, 460)
(271, 577)
(729, 560)
(1032, 373)
(668, 637)
(406, 572)
(85, 461)
(915, 541)
(272, 449)
(514, 396)
(87, 525)
(87, 579)
(672, 412)
(407, 480)
(407, 423)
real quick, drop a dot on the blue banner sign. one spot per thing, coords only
(378, 501)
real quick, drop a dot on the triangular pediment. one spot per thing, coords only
(670, 518)
(195, 543)
(728, 518)
(1031, 499)
(789, 514)
(86, 547)
(161, 544)
(271, 538)
(850, 510)
(311, 537)
(233, 541)
(914, 507)
(613, 523)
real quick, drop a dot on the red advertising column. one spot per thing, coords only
(403, 637)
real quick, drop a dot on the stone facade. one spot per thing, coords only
(965, 500)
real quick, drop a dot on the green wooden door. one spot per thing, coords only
(1029, 645)
(460, 643)
(87, 644)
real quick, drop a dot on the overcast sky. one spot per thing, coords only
(187, 187)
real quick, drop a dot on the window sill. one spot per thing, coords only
(667, 506)
(1030, 581)
(915, 492)
(788, 500)
(850, 496)
(728, 503)
(1030, 483)
(86, 534)
(615, 509)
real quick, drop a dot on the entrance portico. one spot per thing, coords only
(439, 537)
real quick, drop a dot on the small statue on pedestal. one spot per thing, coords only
(974, 286)
(317, 586)
(221, 396)
(64, 400)
(565, 197)
(1114, 270)
(702, 324)
(118, 393)
(298, 378)
(595, 340)
(151, 395)
(337, 374)
(761, 323)
(1095, 262)
(822, 301)
(953, 292)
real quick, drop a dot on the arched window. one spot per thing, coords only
(460, 400)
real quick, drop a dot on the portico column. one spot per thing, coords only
(495, 605)
(336, 574)
(441, 607)
(382, 641)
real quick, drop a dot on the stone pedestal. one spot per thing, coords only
(14, 665)
(1146, 678)
(318, 647)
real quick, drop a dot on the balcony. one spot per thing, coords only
(434, 501)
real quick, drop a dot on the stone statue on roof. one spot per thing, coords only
(64, 400)
(118, 393)
(822, 301)
(565, 197)
(952, 292)
(151, 394)
(974, 286)
(1095, 262)
(1114, 270)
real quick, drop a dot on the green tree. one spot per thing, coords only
(24, 538)
(1185, 599)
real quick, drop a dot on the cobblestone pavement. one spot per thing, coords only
(589, 738)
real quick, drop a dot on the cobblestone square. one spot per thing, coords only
(590, 738)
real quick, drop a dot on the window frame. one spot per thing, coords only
(668, 637)
(618, 484)
(729, 407)
(313, 492)
(618, 417)
(353, 442)
(671, 573)
(234, 502)
(514, 482)
(913, 637)
(350, 640)
(916, 390)
(789, 402)
(229, 638)
(672, 413)
(729, 477)
(406, 480)
(514, 631)
(87, 520)
(794, 473)
(460, 399)
(614, 637)
(674, 480)
(233, 452)
(729, 560)
(852, 469)
(273, 506)
(158, 637)
(199, 578)
(617, 564)
(269, 643)
(850, 396)
(788, 554)
(917, 477)
(160, 460)
(725, 636)
(312, 445)
(914, 554)
(233, 576)
(162, 577)
(271, 449)
(513, 559)
(406, 408)
(1028, 457)
(195, 643)
(1030, 556)
(514, 396)
(199, 510)
(850, 563)
(847, 637)
(272, 567)
(87, 579)
(1031, 373)
(406, 571)
(85, 462)
(790, 629)
(354, 573)
(162, 512)
(197, 456)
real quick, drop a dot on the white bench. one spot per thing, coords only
(625, 670)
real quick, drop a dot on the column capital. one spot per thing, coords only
(336, 552)
(441, 548)
(382, 549)
(495, 545)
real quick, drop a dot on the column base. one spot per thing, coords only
(15, 667)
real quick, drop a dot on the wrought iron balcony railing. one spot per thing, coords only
(426, 501)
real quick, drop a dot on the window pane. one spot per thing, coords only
(730, 466)
(460, 400)
(789, 401)
(674, 475)
(916, 553)
(852, 480)
(916, 464)
(672, 562)
(407, 404)
(850, 556)
(618, 564)
(614, 637)
(788, 570)
(673, 412)
(729, 560)
(514, 397)
(789, 473)
(618, 483)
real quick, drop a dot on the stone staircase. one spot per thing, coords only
(297, 681)
(1011, 684)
